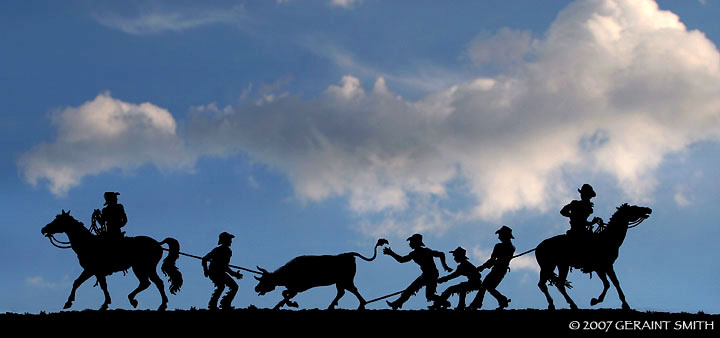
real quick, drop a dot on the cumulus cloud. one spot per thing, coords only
(101, 135)
(612, 87)
(157, 21)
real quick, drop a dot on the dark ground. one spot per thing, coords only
(343, 323)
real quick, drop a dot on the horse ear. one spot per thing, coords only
(63, 212)
(68, 213)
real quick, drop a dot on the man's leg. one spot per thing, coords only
(226, 301)
(411, 290)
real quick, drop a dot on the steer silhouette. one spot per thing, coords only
(306, 272)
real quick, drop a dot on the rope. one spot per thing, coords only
(383, 297)
(230, 265)
(524, 253)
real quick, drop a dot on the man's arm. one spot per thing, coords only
(565, 211)
(205, 260)
(400, 259)
(123, 217)
(453, 275)
(441, 255)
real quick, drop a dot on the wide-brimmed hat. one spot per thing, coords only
(416, 238)
(225, 236)
(505, 230)
(459, 251)
(587, 189)
(110, 195)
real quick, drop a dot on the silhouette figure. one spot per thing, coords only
(423, 257)
(500, 263)
(464, 268)
(219, 272)
(581, 229)
(306, 272)
(111, 218)
(140, 253)
(553, 252)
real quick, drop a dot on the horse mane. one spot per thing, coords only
(618, 211)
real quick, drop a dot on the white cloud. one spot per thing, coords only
(101, 135)
(612, 88)
(347, 4)
(157, 21)
(41, 282)
(681, 197)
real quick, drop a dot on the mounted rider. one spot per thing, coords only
(581, 230)
(579, 211)
(111, 218)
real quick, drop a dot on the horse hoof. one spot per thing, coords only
(103, 307)
(594, 302)
(626, 307)
(67, 305)
(162, 307)
(551, 307)
(134, 303)
(573, 307)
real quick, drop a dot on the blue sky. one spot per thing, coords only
(316, 127)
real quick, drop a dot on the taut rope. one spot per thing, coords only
(230, 265)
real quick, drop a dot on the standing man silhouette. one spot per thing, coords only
(423, 257)
(219, 272)
(464, 268)
(500, 263)
(112, 217)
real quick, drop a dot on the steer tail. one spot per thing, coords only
(380, 242)
(168, 266)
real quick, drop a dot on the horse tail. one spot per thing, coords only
(168, 266)
(555, 280)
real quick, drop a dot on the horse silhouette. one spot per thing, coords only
(101, 257)
(604, 247)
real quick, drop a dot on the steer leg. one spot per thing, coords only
(287, 296)
(340, 293)
(355, 292)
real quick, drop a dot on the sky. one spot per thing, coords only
(317, 127)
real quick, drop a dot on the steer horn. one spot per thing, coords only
(261, 270)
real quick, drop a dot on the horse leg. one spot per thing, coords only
(542, 284)
(161, 287)
(560, 284)
(103, 285)
(606, 286)
(144, 284)
(614, 279)
(340, 293)
(81, 279)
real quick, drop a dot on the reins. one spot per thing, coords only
(58, 243)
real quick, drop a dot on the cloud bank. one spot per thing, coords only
(157, 21)
(612, 87)
(101, 135)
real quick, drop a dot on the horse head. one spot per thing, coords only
(631, 214)
(61, 223)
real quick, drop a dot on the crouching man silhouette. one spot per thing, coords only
(219, 272)
(423, 257)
